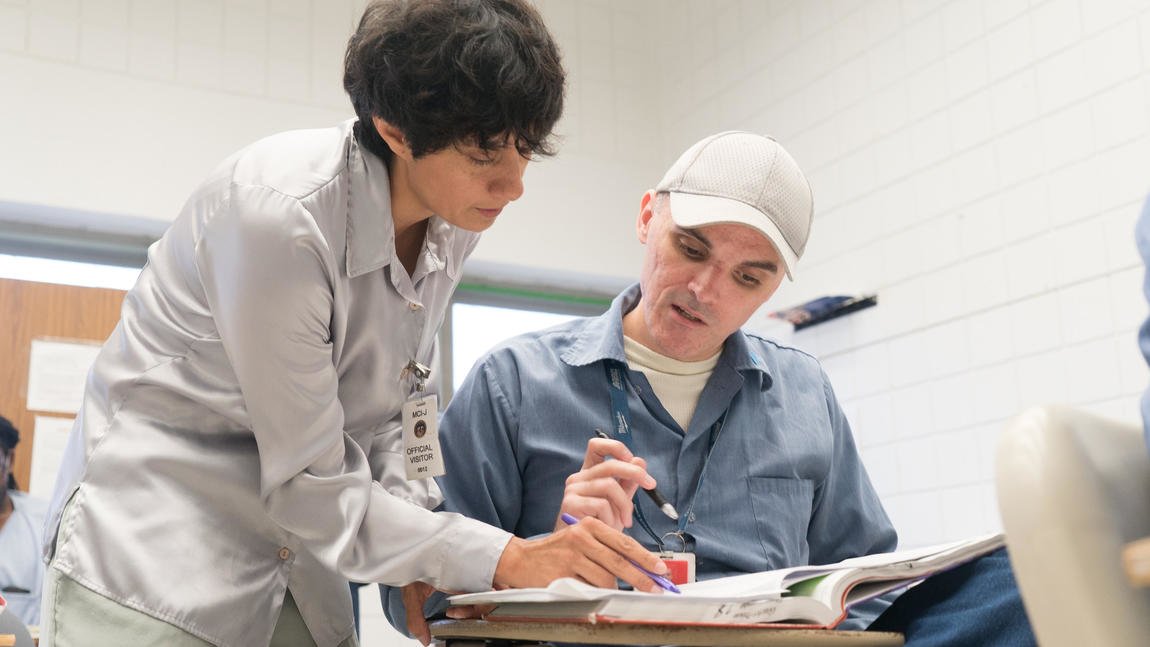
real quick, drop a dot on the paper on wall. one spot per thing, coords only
(57, 371)
(49, 439)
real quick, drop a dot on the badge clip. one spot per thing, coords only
(420, 371)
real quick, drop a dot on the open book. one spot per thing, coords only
(802, 596)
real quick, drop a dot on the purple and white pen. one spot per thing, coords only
(664, 583)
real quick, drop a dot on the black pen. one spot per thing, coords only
(661, 501)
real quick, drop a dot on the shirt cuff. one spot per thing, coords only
(473, 549)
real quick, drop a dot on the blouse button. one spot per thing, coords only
(413, 306)
(284, 554)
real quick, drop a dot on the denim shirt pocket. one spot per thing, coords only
(782, 509)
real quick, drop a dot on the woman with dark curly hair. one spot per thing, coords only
(246, 430)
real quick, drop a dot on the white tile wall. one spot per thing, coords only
(13, 28)
(53, 29)
(985, 161)
(104, 33)
(152, 41)
(258, 48)
(245, 42)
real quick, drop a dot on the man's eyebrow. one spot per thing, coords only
(763, 265)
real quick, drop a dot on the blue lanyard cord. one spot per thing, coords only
(621, 413)
(621, 417)
(712, 438)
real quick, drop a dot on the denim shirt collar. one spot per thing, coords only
(602, 339)
(370, 228)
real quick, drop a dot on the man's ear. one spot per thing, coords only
(394, 138)
(646, 213)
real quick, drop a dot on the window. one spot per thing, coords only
(495, 303)
(50, 270)
(476, 328)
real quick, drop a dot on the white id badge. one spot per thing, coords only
(421, 454)
(680, 566)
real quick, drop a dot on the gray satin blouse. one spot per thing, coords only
(239, 433)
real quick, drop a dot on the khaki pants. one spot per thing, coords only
(76, 616)
(72, 615)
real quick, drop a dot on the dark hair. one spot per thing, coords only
(9, 437)
(454, 71)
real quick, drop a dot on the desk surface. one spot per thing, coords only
(633, 634)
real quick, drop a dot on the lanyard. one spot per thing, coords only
(621, 415)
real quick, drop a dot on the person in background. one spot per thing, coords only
(239, 453)
(21, 535)
(743, 435)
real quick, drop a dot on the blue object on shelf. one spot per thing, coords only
(823, 309)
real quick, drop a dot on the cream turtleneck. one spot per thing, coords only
(678, 385)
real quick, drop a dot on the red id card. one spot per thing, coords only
(680, 566)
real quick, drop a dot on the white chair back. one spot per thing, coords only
(1073, 489)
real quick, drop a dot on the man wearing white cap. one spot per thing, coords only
(742, 435)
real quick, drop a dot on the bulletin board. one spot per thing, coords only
(51, 312)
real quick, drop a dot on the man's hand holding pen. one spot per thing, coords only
(592, 550)
(603, 488)
(587, 550)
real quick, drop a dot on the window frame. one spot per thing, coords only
(123, 241)
(513, 297)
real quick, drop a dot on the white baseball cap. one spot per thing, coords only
(744, 178)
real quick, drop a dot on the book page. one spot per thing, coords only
(766, 582)
(564, 589)
(817, 595)
(751, 586)
(947, 551)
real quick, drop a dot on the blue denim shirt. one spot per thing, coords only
(1142, 236)
(784, 485)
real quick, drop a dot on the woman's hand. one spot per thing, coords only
(590, 551)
